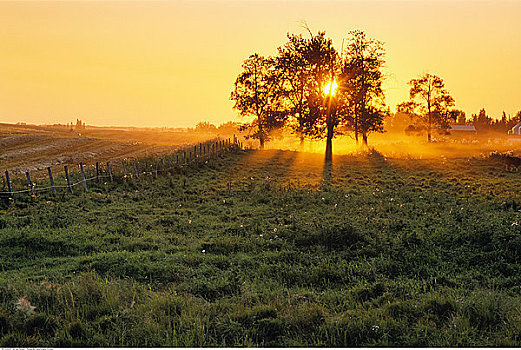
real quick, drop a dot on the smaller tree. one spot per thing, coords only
(429, 102)
(258, 94)
(296, 72)
(482, 122)
(361, 80)
(205, 127)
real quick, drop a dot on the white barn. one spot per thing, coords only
(516, 130)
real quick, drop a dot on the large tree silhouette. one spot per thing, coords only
(360, 82)
(292, 89)
(308, 65)
(257, 93)
(428, 101)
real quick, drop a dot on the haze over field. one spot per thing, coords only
(173, 63)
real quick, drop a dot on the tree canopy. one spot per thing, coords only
(429, 102)
(361, 81)
(257, 93)
(297, 88)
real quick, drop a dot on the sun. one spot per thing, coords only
(330, 88)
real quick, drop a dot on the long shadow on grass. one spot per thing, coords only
(274, 164)
(326, 175)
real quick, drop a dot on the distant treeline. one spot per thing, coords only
(403, 122)
(227, 128)
(482, 122)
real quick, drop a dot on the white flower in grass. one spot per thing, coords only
(24, 305)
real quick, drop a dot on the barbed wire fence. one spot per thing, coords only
(183, 158)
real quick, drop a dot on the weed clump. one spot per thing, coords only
(332, 238)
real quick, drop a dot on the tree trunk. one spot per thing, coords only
(364, 139)
(329, 137)
(429, 126)
(329, 141)
(301, 145)
(429, 129)
(329, 149)
(356, 128)
(261, 136)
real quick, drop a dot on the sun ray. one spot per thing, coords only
(330, 88)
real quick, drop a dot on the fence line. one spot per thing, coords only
(207, 150)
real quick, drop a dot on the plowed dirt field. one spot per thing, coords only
(34, 148)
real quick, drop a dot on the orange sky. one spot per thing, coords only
(173, 63)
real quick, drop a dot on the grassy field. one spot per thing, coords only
(268, 248)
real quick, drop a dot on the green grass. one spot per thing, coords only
(266, 249)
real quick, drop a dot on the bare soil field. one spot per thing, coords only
(34, 148)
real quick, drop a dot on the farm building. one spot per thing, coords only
(458, 131)
(470, 129)
(516, 130)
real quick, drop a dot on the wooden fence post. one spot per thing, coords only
(135, 170)
(124, 167)
(68, 179)
(97, 171)
(156, 167)
(9, 183)
(29, 182)
(200, 150)
(83, 177)
(110, 171)
(184, 157)
(52, 180)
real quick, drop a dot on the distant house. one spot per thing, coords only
(462, 129)
(516, 130)
(457, 129)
